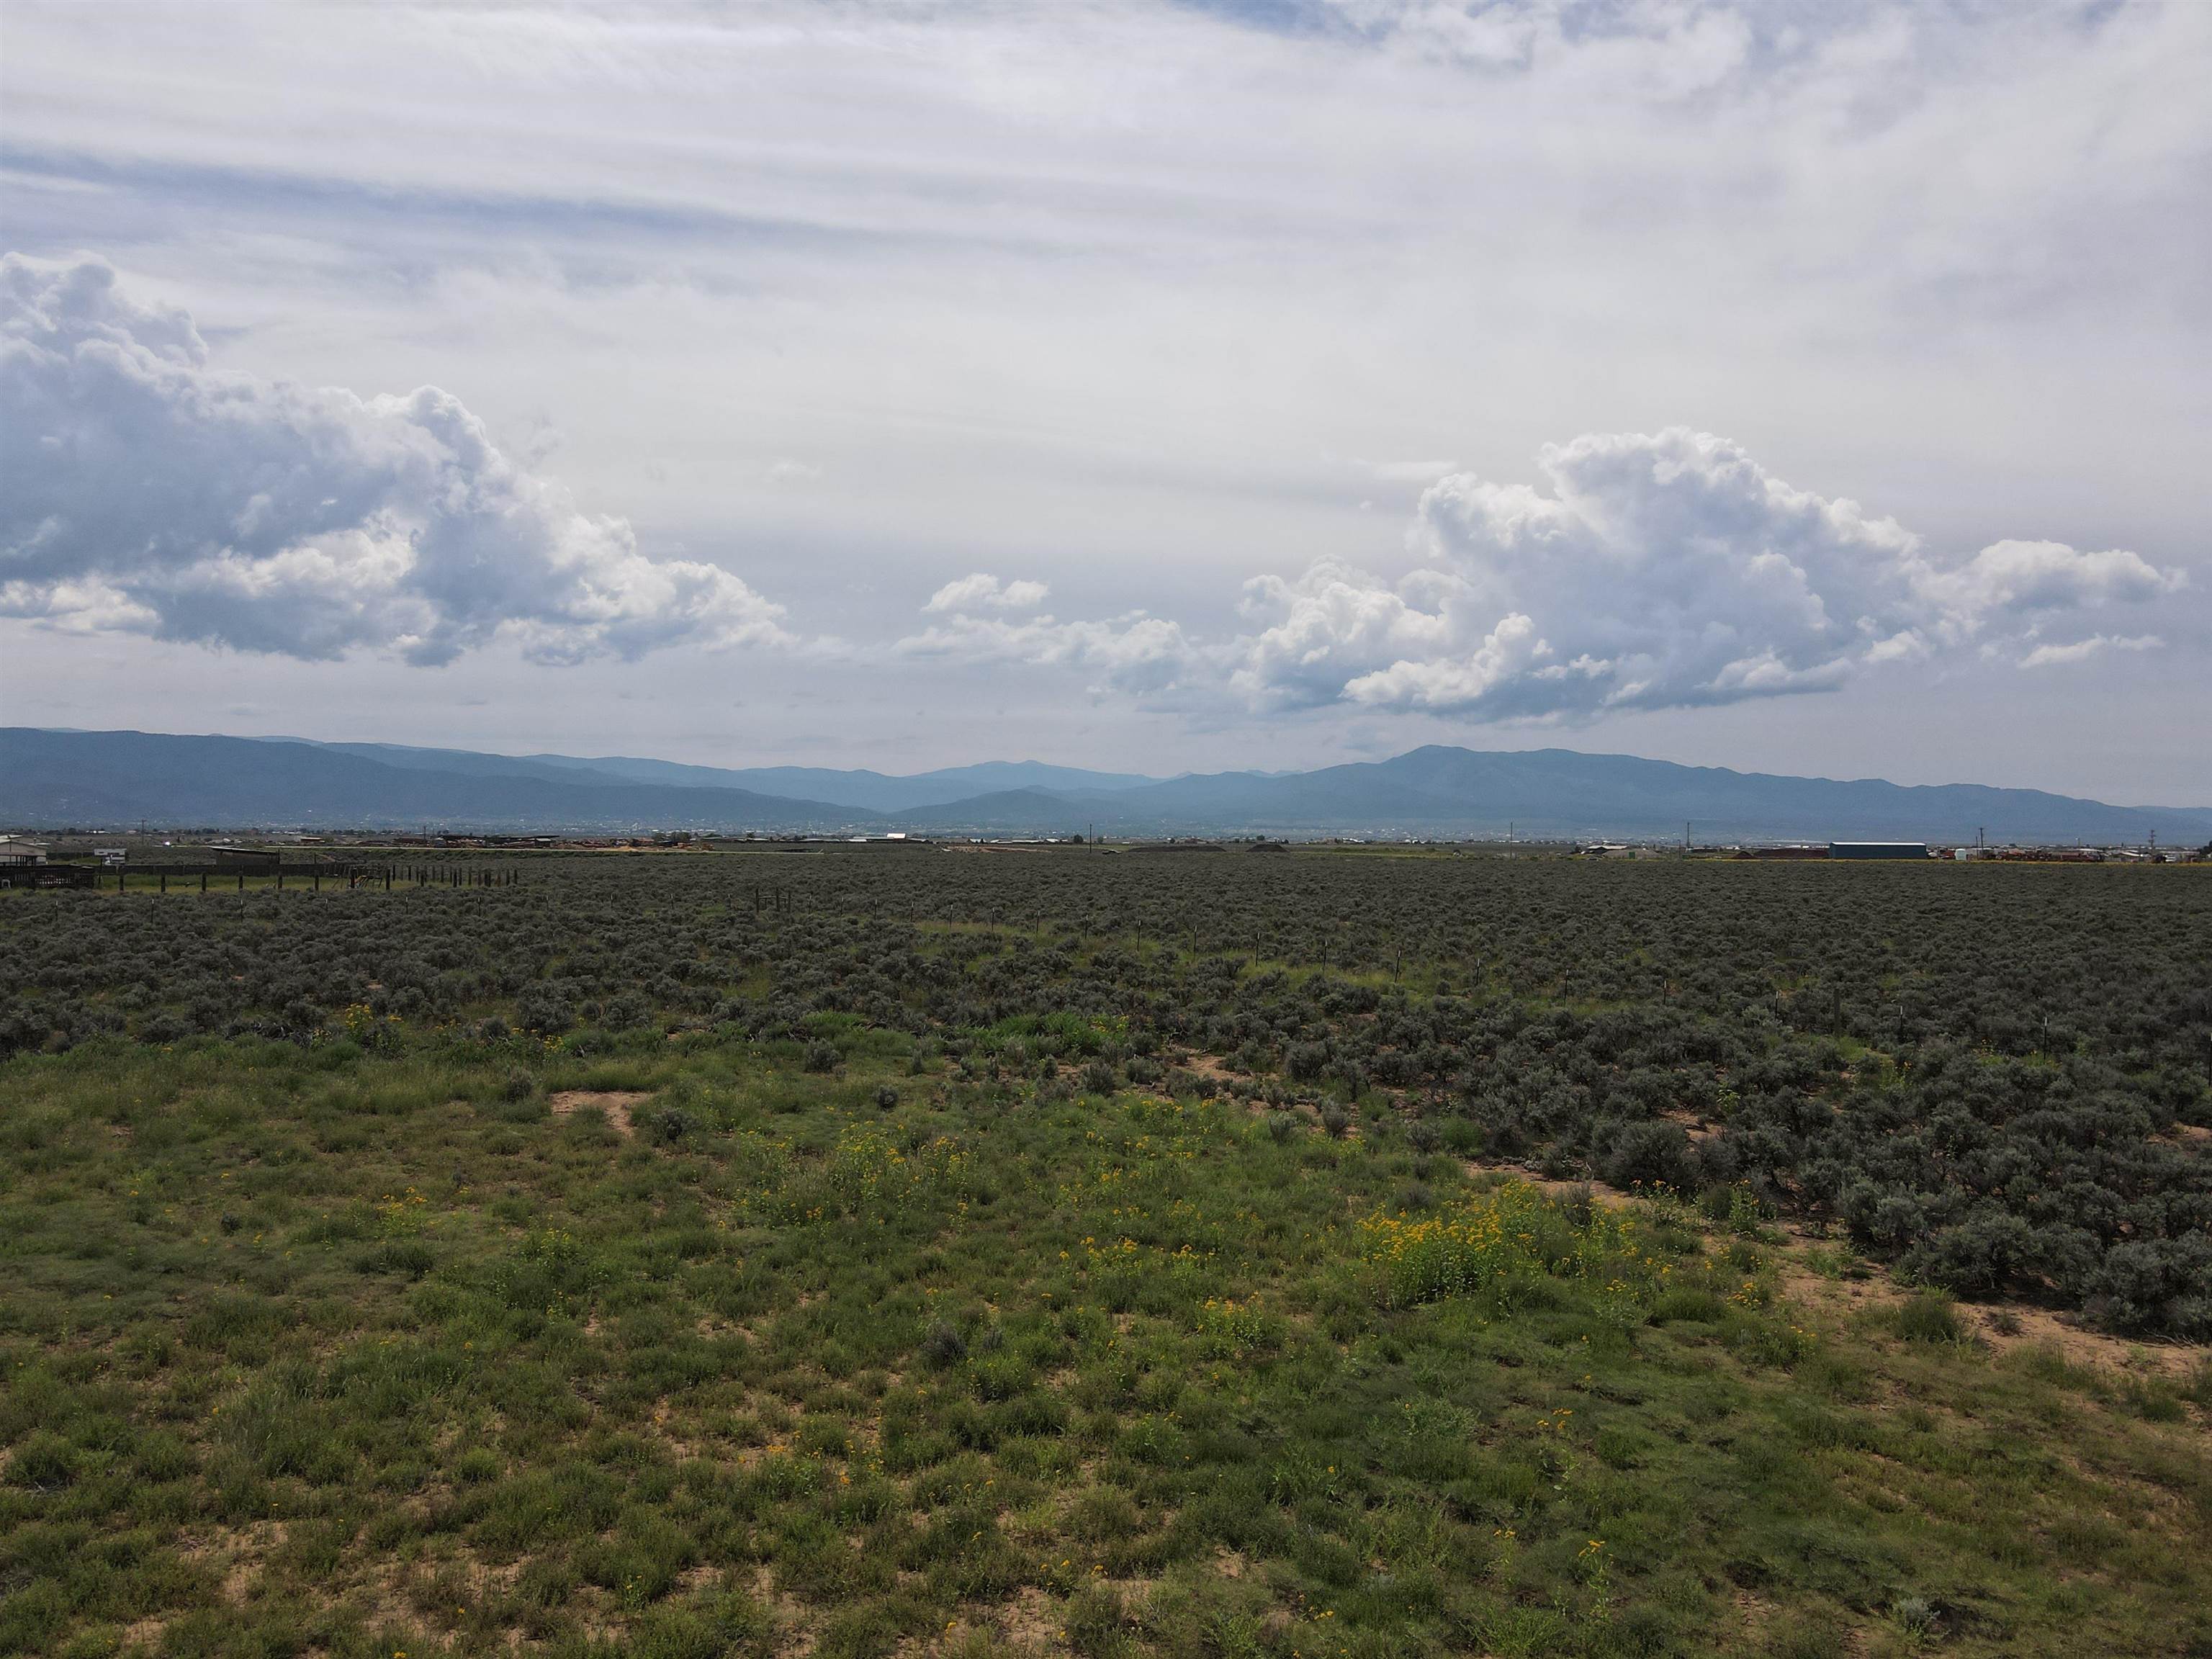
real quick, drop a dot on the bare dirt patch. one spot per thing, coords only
(796, 1639)
(2002, 1328)
(239, 1552)
(2040, 1327)
(1029, 1620)
(615, 1104)
(1691, 1124)
(1207, 1068)
(1599, 1192)
(681, 1447)
(1839, 1293)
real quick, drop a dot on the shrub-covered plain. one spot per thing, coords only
(879, 1253)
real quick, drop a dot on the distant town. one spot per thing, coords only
(98, 857)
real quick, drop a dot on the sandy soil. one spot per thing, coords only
(615, 1103)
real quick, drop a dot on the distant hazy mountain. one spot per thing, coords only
(1561, 793)
(874, 792)
(52, 778)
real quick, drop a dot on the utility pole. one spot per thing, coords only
(1686, 838)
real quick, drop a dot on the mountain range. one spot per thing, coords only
(57, 778)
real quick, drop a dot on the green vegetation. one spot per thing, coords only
(979, 1260)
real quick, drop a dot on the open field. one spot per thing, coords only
(1298, 1256)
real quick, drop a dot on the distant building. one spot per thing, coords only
(228, 856)
(14, 853)
(1877, 849)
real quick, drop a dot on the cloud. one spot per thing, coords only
(1652, 571)
(1331, 621)
(1135, 652)
(1647, 571)
(143, 490)
(2034, 578)
(982, 592)
(2046, 656)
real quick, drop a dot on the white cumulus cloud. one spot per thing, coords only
(1649, 571)
(980, 592)
(2039, 578)
(2046, 656)
(1135, 653)
(143, 489)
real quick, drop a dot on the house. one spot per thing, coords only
(14, 853)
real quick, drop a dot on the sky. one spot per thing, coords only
(1820, 389)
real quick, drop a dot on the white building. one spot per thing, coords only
(15, 854)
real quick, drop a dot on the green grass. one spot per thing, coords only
(363, 1348)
